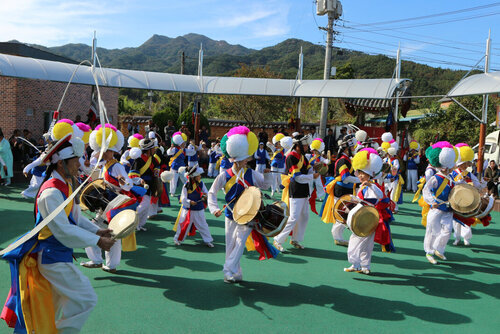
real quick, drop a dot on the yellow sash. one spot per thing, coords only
(175, 157)
(217, 165)
(36, 297)
(426, 207)
(146, 166)
(328, 216)
(399, 188)
(276, 153)
(421, 184)
(285, 181)
(109, 164)
(313, 157)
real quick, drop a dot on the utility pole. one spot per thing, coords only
(396, 107)
(484, 118)
(183, 58)
(334, 10)
(299, 107)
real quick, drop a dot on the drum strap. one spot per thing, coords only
(176, 155)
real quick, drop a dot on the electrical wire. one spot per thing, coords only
(410, 48)
(413, 40)
(433, 15)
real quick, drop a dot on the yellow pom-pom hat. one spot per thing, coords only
(83, 132)
(63, 127)
(133, 141)
(414, 145)
(317, 145)
(277, 137)
(239, 143)
(465, 153)
(368, 161)
(116, 140)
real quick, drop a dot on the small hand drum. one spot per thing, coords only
(465, 200)
(123, 224)
(271, 219)
(247, 206)
(96, 196)
(361, 217)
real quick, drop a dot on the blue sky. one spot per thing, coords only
(447, 40)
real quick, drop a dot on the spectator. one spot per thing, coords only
(329, 141)
(203, 155)
(422, 165)
(6, 160)
(313, 133)
(491, 175)
(343, 132)
(151, 126)
(133, 127)
(78, 119)
(203, 134)
(169, 130)
(263, 137)
(185, 130)
(28, 150)
(16, 145)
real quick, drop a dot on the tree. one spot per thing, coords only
(187, 117)
(454, 124)
(254, 110)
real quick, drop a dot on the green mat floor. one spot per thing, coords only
(163, 288)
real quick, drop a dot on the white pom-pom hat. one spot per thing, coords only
(361, 135)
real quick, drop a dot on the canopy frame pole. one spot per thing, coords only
(464, 108)
(482, 131)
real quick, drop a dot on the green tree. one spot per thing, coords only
(454, 124)
(187, 117)
(254, 110)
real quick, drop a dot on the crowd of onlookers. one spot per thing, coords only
(24, 148)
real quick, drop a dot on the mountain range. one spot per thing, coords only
(163, 54)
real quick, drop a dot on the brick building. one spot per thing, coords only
(29, 104)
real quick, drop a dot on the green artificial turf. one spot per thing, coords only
(163, 288)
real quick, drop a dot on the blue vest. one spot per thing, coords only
(38, 171)
(279, 160)
(225, 163)
(195, 196)
(261, 160)
(236, 190)
(53, 250)
(444, 194)
(179, 161)
(193, 157)
(213, 157)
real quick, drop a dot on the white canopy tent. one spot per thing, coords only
(30, 68)
(477, 84)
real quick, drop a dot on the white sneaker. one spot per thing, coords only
(352, 269)
(439, 255)
(177, 243)
(431, 259)
(278, 246)
(365, 271)
(466, 243)
(456, 242)
(209, 244)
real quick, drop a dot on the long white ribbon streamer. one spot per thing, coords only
(104, 146)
